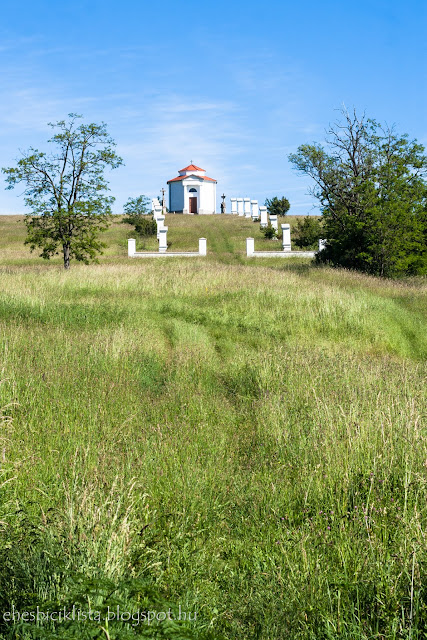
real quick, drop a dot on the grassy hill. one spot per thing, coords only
(243, 437)
(226, 237)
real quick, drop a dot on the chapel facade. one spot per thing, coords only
(192, 191)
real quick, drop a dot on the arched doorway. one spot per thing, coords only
(192, 200)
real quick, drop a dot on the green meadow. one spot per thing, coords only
(243, 439)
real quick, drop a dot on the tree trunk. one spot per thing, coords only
(66, 251)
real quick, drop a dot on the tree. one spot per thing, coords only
(136, 210)
(65, 190)
(371, 185)
(278, 206)
(307, 232)
(137, 206)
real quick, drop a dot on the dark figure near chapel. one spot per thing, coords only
(223, 206)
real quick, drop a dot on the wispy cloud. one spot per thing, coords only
(174, 132)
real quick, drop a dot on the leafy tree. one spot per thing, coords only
(307, 232)
(137, 210)
(371, 184)
(65, 190)
(137, 206)
(278, 206)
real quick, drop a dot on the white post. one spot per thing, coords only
(202, 247)
(131, 247)
(247, 207)
(157, 211)
(322, 244)
(273, 221)
(286, 238)
(240, 210)
(264, 220)
(160, 224)
(250, 247)
(233, 206)
(163, 241)
(255, 213)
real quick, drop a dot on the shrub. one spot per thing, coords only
(144, 225)
(269, 231)
(307, 232)
(138, 215)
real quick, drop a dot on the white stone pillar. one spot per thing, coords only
(157, 211)
(255, 212)
(233, 206)
(322, 244)
(202, 247)
(160, 224)
(131, 247)
(250, 247)
(273, 221)
(286, 237)
(264, 219)
(240, 210)
(247, 207)
(163, 240)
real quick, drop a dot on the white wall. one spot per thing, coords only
(208, 198)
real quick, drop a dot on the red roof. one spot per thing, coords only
(185, 177)
(191, 167)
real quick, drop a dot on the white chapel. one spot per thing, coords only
(192, 191)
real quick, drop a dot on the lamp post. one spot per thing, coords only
(223, 206)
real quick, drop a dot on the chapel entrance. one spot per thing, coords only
(193, 205)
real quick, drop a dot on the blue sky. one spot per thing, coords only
(233, 86)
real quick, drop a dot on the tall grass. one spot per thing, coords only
(244, 439)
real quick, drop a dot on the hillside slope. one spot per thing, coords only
(246, 437)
